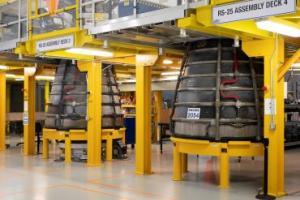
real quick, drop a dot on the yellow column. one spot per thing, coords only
(94, 71)
(143, 113)
(29, 115)
(2, 110)
(273, 53)
(158, 107)
(47, 91)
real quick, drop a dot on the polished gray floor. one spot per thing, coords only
(32, 178)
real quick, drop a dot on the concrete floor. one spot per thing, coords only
(32, 178)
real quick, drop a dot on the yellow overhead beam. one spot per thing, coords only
(6, 1)
(192, 23)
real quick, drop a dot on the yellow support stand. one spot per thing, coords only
(143, 113)
(273, 54)
(29, 115)
(183, 147)
(107, 135)
(2, 110)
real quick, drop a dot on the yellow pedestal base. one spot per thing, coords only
(183, 147)
(79, 135)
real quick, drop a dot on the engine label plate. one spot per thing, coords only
(193, 113)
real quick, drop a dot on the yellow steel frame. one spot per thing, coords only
(2, 110)
(29, 115)
(273, 54)
(81, 39)
(80, 135)
(183, 147)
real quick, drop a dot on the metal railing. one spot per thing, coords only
(21, 20)
(13, 24)
(100, 16)
(41, 20)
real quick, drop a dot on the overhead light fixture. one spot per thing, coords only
(127, 81)
(105, 44)
(30, 71)
(296, 65)
(170, 73)
(169, 78)
(90, 52)
(4, 67)
(160, 51)
(19, 79)
(167, 61)
(183, 33)
(279, 26)
(295, 69)
(10, 75)
(45, 78)
(236, 42)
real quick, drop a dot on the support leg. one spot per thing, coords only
(45, 148)
(109, 148)
(224, 170)
(158, 108)
(160, 139)
(68, 150)
(2, 110)
(184, 162)
(177, 165)
(47, 90)
(124, 136)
